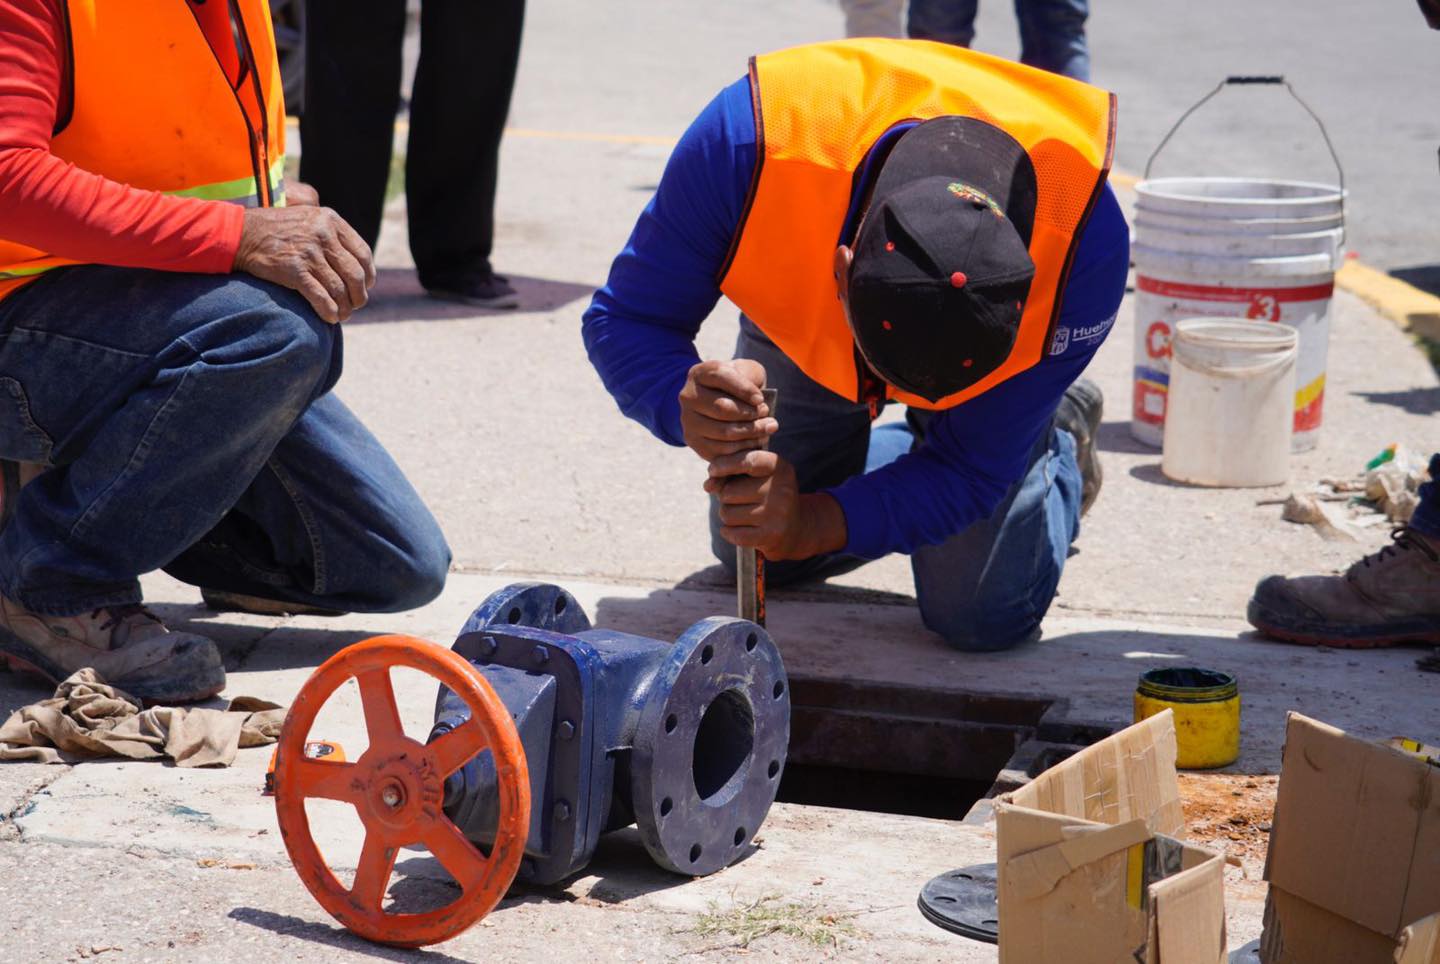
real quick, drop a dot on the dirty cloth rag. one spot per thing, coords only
(88, 718)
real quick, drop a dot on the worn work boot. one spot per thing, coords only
(127, 645)
(1079, 414)
(239, 602)
(1388, 597)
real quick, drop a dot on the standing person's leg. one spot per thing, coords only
(1052, 36)
(945, 21)
(468, 56)
(1426, 519)
(156, 399)
(330, 522)
(352, 91)
(825, 437)
(873, 18)
(988, 588)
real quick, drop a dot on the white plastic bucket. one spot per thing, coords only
(1230, 408)
(1241, 248)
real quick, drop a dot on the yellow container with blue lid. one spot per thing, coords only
(1206, 704)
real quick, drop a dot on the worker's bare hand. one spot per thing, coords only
(722, 410)
(300, 194)
(311, 250)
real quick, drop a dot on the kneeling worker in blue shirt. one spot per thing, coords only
(898, 221)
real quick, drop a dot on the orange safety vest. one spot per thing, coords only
(818, 111)
(151, 107)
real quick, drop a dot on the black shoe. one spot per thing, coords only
(1079, 414)
(486, 290)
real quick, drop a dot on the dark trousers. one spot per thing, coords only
(468, 54)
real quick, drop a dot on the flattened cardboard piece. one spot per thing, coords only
(1126, 776)
(1074, 889)
(1187, 906)
(1420, 942)
(1297, 932)
(1356, 836)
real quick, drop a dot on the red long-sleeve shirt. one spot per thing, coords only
(51, 204)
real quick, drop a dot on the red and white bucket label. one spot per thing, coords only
(1161, 302)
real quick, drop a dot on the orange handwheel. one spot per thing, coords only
(397, 787)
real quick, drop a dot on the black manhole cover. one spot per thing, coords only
(963, 901)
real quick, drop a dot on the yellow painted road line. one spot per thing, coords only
(403, 123)
(1123, 179)
(1406, 305)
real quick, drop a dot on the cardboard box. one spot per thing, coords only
(1089, 867)
(1420, 942)
(1355, 851)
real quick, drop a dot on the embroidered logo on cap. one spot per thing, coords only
(967, 193)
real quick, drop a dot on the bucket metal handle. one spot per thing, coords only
(1241, 80)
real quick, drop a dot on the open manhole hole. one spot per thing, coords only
(919, 751)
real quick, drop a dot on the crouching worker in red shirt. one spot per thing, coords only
(168, 341)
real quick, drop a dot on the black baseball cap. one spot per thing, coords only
(941, 265)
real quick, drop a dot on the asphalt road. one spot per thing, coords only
(1369, 70)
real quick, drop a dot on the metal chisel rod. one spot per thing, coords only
(749, 563)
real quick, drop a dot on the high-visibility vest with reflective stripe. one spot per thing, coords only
(818, 111)
(151, 107)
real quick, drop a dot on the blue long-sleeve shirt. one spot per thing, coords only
(640, 332)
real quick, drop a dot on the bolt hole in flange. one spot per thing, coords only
(750, 642)
(560, 604)
(779, 689)
(739, 836)
(513, 616)
(706, 655)
(695, 853)
(723, 743)
(671, 722)
(774, 768)
(666, 806)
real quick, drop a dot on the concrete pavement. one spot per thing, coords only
(512, 440)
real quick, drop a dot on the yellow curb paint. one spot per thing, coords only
(1412, 309)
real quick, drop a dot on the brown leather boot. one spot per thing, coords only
(1389, 597)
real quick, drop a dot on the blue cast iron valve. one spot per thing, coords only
(686, 740)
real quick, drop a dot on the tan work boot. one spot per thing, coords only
(128, 645)
(222, 600)
(1389, 597)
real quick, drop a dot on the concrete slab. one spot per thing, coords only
(862, 869)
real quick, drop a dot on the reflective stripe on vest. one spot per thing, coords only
(819, 110)
(152, 108)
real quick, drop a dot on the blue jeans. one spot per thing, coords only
(1052, 32)
(986, 588)
(188, 426)
(1427, 514)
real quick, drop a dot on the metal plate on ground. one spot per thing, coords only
(1249, 954)
(963, 901)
